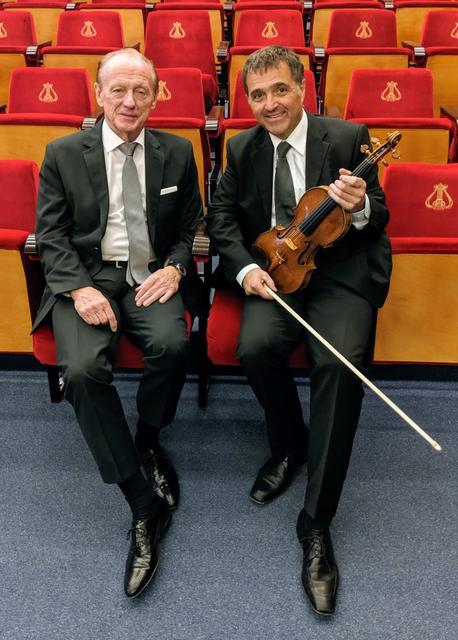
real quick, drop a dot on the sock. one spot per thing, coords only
(139, 495)
(147, 437)
(305, 523)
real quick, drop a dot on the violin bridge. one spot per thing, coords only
(290, 244)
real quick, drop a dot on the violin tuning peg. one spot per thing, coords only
(384, 162)
(364, 148)
(395, 154)
(376, 142)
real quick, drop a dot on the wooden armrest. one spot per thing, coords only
(418, 50)
(318, 50)
(222, 49)
(136, 45)
(213, 118)
(201, 244)
(450, 111)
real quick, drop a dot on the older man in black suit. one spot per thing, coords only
(116, 213)
(268, 169)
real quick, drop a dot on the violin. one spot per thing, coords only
(288, 254)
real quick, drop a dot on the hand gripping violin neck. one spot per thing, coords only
(288, 254)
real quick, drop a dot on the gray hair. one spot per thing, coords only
(268, 57)
(129, 52)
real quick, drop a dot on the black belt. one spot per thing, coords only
(119, 264)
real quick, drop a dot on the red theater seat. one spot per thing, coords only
(18, 186)
(400, 99)
(174, 40)
(83, 38)
(18, 45)
(180, 110)
(43, 104)
(419, 322)
(358, 38)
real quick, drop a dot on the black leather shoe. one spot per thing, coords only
(320, 577)
(142, 559)
(162, 476)
(273, 478)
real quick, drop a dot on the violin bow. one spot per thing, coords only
(435, 445)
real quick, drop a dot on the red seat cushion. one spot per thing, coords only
(223, 332)
(127, 355)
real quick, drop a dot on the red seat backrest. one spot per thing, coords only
(440, 29)
(18, 186)
(180, 93)
(422, 199)
(362, 28)
(178, 39)
(17, 28)
(49, 90)
(384, 93)
(261, 28)
(90, 29)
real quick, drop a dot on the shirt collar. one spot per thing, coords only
(111, 140)
(297, 138)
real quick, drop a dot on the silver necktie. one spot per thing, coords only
(137, 230)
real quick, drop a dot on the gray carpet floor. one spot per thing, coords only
(228, 569)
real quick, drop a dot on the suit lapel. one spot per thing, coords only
(95, 162)
(154, 167)
(316, 151)
(262, 158)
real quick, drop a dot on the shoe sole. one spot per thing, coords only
(165, 525)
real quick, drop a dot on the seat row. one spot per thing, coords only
(358, 38)
(418, 324)
(47, 103)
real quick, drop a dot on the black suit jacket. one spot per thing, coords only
(242, 205)
(72, 211)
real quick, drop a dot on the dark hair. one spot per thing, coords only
(268, 57)
(133, 53)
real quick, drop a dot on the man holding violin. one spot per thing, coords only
(269, 168)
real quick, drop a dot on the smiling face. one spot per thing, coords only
(127, 92)
(276, 99)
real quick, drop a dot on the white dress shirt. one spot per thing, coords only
(115, 242)
(296, 161)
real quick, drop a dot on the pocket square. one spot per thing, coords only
(168, 190)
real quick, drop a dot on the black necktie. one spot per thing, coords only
(284, 194)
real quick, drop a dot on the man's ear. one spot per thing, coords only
(98, 91)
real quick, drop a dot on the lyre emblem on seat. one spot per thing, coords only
(3, 31)
(364, 30)
(269, 30)
(47, 94)
(439, 199)
(454, 33)
(391, 92)
(177, 31)
(88, 31)
(163, 93)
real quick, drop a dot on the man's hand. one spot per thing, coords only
(160, 285)
(253, 284)
(93, 307)
(348, 191)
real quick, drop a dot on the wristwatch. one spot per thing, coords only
(178, 266)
